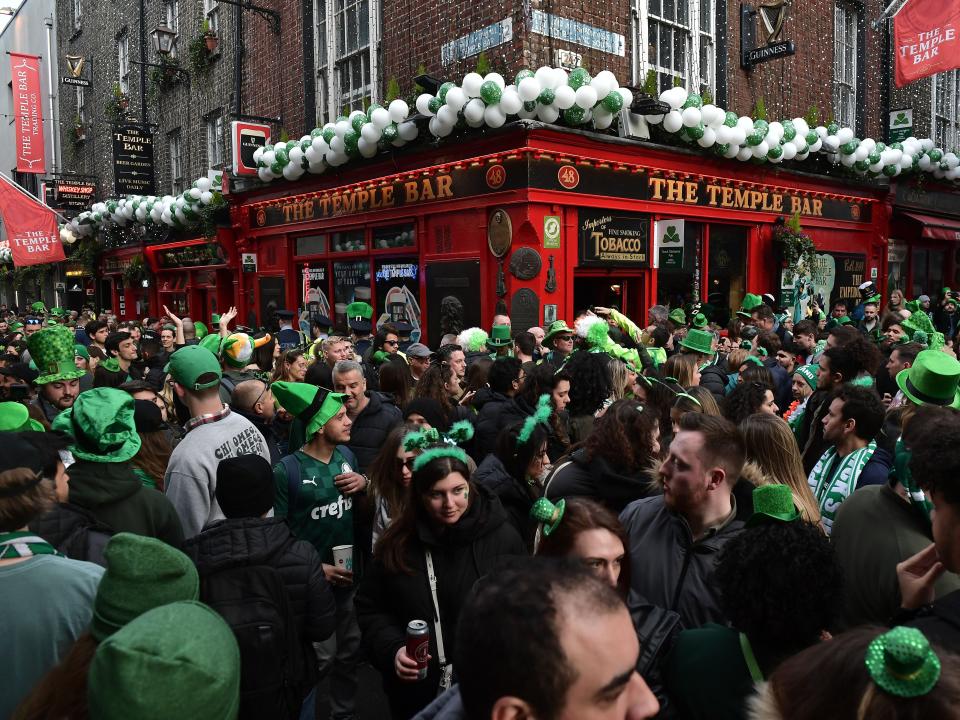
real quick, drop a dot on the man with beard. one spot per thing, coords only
(675, 537)
(52, 349)
(901, 357)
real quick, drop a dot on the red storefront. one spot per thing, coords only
(924, 250)
(549, 221)
(122, 275)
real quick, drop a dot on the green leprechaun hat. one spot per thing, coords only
(313, 405)
(773, 503)
(14, 417)
(699, 341)
(52, 350)
(359, 316)
(102, 425)
(38, 308)
(678, 316)
(499, 336)
(557, 327)
(931, 380)
(902, 663)
(750, 303)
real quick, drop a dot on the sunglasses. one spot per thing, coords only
(391, 342)
(408, 463)
(565, 338)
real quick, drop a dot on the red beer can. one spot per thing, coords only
(418, 645)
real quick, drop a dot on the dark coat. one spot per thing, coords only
(114, 495)
(782, 380)
(940, 622)
(73, 531)
(387, 601)
(514, 495)
(240, 542)
(595, 478)
(498, 412)
(810, 435)
(371, 427)
(877, 469)
(714, 378)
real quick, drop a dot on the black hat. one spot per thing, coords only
(431, 411)
(15, 452)
(147, 416)
(285, 313)
(322, 321)
(245, 486)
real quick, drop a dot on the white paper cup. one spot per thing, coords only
(343, 557)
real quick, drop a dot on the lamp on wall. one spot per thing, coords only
(163, 39)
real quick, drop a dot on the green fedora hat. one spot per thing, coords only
(557, 327)
(773, 503)
(52, 349)
(699, 341)
(101, 423)
(312, 404)
(751, 302)
(931, 380)
(499, 336)
(14, 417)
(678, 316)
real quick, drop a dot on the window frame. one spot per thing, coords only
(211, 13)
(694, 40)
(80, 100)
(214, 126)
(334, 55)
(171, 16)
(123, 61)
(77, 14)
(951, 136)
(177, 177)
(851, 114)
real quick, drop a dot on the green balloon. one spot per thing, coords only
(833, 128)
(775, 152)
(613, 102)
(281, 157)
(525, 73)
(812, 137)
(881, 147)
(896, 146)
(695, 132)
(277, 168)
(861, 165)
(936, 155)
(574, 115)
(490, 92)
(435, 104)
(442, 92)
(329, 134)
(730, 119)
(756, 137)
(693, 100)
(341, 118)
(358, 122)
(721, 149)
(316, 132)
(530, 105)
(547, 96)
(789, 131)
(578, 78)
(851, 147)
(890, 170)
(351, 139)
(390, 132)
(761, 125)
(874, 157)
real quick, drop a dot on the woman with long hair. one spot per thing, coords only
(696, 399)
(590, 390)
(682, 367)
(555, 383)
(451, 533)
(150, 462)
(390, 474)
(386, 344)
(441, 383)
(394, 378)
(748, 398)
(613, 464)
(621, 381)
(291, 366)
(772, 447)
(264, 357)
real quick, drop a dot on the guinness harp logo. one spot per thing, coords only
(772, 16)
(75, 64)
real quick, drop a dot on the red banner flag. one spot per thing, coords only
(31, 227)
(28, 112)
(926, 34)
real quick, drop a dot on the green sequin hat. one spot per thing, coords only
(678, 316)
(557, 327)
(14, 417)
(750, 303)
(52, 349)
(548, 513)
(102, 425)
(699, 341)
(902, 663)
(699, 321)
(773, 503)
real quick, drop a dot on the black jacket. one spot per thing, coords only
(940, 622)
(73, 531)
(782, 390)
(240, 542)
(714, 378)
(387, 601)
(498, 412)
(371, 427)
(515, 496)
(578, 476)
(810, 437)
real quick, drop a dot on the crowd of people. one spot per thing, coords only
(754, 516)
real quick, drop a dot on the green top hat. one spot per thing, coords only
(190, 363)
(699, 321)
(557, 327)
(931, 380)
(699, 341)
(14, 417)
(215, 319)
(548, 513)
(917, 321)
(201, 330)
(53, 352)
(314, 405)
(499, 336)
(773, 503)
(808, 373)
(902, 663)
(750, 303)
(101, 423)
(678, 316)
(359, 315)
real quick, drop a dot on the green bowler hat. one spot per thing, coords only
(101, 423)
(931, 380)
(750, 303)
(678, 316)
(699, 341)
(52, 349)
(773, 503)
(499, 336)
(557, 327)
(14, 417)
(699, 321)
(314, 405)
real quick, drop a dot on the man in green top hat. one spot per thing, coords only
(359, 318)
(931, 380)
(213, 434)
(499, 342)
(559, 340)
(59, 380)
(315, 488)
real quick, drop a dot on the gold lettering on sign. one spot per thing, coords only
(722, 196)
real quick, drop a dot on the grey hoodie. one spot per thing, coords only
(448, 706)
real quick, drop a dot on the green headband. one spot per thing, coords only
(690, 397)
(540, 417)
(436, 445)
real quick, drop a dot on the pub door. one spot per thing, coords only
(609, 289)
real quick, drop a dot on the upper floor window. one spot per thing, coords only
(346, 37)
(77, 13)
(846, 40)
(677, 41)
(946, 110)
(211, 12)
(81, 100)
(123, 62)
(215, 140)
(176, 163)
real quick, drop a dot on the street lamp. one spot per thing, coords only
(163, 40)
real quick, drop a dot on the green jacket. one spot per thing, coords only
(115, 496)
(638, 357)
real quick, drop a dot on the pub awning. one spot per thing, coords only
(936, 228)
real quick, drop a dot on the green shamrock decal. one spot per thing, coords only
(672, 236)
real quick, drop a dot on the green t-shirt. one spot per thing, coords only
(321, 515)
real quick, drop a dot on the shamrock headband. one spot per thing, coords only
(541, 416)
(435, 445)
(544, 511)
(902, 663)
(689, 397)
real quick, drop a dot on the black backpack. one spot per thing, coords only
(254, 602)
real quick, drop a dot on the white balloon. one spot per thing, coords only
(290, 172)
(529, 89)
(408, 131)
(732, 152)
(609, 78)
(497, 78)
(510, 100)
(399, 110)
(847, 160)
(474, 122)
(319, 144)
(924, 162)
(367, 149)
(423, 104)
(471, 84)
(456, 99)
(653, 119)
(844, 135)
(723, 134)
(861, 152)
(906, 162)
(296, 155)
(473, 112)
(672, 121)
(745, 154)
(546, 77)
(560, 78)
(316, 168)
(815, 147)
(926, 144)
(447, 115)
(738, 136)
(565, 97)
(601, 84)
(745, 124)
(761, 150)
(691, 117)
(713, 116)
(547, 113)
(602, 120)
(625, 95)
(494, 116)
(831, 143)
(371, 133)
(206, 197)
(524, 114)
(342, 127)
(800, 125)
(586, 97)
(205, 183)
(821, 131)
(789, 150)
(380, 117)
(442, 129)
(951, 160)
(708, 139)
(337, 146)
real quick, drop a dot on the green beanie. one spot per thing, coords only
(142, 573)
(81, 351)
(175, 661)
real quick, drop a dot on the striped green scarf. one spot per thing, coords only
(832, 485)
(23, 544)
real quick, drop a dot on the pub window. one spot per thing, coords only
(215, 140)
(348, 241)
(311, 245)
(347, 34)
(679, 37)
(211, 12)
(123, 62)
(176, 163)
(678, 281)
(946, 103)
(394, 236)
(846, 37)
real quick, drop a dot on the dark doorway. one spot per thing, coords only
(622, 293)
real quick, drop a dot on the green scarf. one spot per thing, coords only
(901, 473)
(832, 485)
(23, 543)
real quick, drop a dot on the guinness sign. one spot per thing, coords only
(772, 16)
(75, 65)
